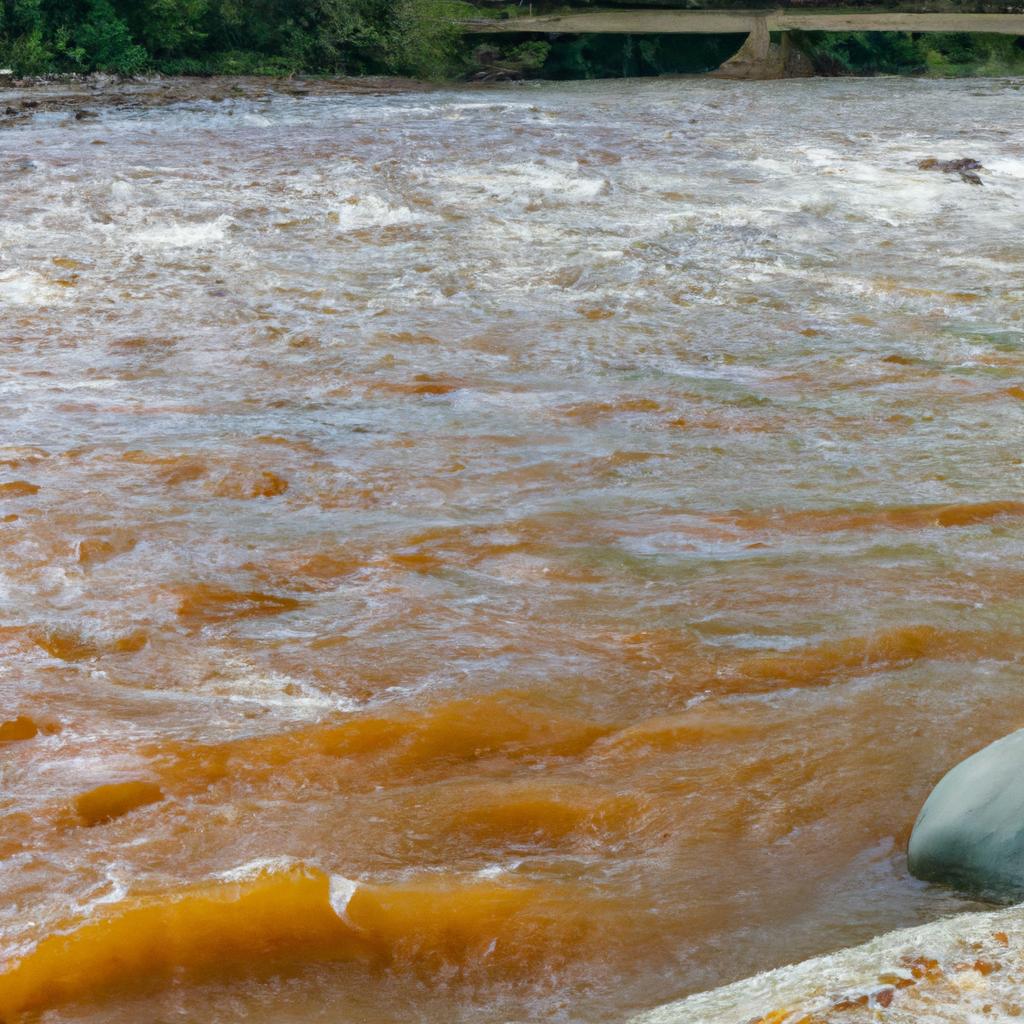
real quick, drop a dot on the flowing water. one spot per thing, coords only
(487, 555)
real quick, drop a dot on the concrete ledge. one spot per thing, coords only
(705, 22)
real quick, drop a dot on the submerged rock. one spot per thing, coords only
(965, 166)
(970, 832)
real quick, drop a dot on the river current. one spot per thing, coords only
(489, 555)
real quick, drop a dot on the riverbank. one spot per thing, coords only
(83, 96)
(964, 968)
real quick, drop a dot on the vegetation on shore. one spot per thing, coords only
(894, 53)
(236, 37)
(420, 38)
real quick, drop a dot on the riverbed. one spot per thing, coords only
(495, 554)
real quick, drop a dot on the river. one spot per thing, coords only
(495, 554)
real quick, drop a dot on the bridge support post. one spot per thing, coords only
(759, 58)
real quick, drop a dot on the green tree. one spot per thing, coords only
(23, 42)
(166, 28)
(426, 40)
(106, 41)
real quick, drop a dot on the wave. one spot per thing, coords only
(274, 914)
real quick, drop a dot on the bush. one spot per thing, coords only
(28, 54)
(531, 56)
(245, 62)
(186, 67)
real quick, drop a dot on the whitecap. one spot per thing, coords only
(255, 868)
(360, 212)
(25, 288)
(183, 236)
(341, 891)
(528, 181)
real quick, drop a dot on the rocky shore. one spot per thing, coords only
(83, 97)
(960, 969)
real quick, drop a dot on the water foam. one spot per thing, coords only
(360, 212)
(259, 866)
(183, 236)
(340, 893)
(26, 288)
(525, 182)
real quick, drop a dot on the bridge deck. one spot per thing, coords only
(628, 22)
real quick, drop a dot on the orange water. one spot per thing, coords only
(497, 555)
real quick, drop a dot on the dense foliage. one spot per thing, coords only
(893, 53)
(412, 37)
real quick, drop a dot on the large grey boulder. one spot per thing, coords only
(970, 832)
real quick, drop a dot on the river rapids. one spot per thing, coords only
(505, 554)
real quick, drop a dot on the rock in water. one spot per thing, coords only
(965, 167)
(970, 832)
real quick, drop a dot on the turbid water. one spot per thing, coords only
(496, 555)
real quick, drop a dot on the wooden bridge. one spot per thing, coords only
(758, 57)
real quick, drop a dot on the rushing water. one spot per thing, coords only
(521, 554)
